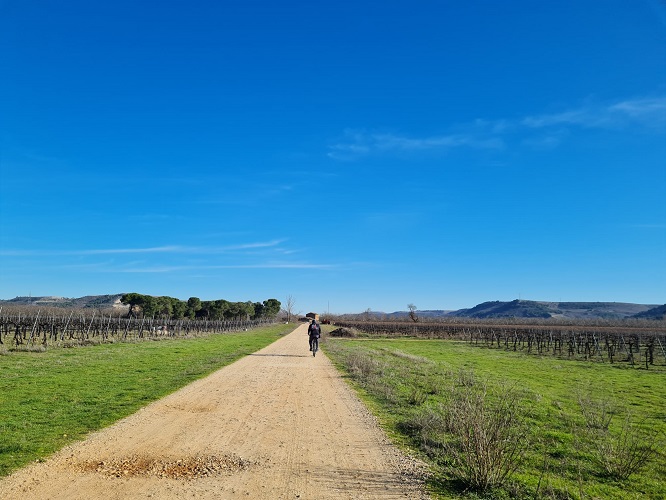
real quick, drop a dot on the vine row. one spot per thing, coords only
(25, 330)
(636, 345)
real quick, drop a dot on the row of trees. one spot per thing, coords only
(171, 308)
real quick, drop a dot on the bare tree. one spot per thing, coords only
(289, 307)
(412, 312)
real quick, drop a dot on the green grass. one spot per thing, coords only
(406, 383)
(49, 399)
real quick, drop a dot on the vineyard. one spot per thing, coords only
(639, 344)
(27, 328)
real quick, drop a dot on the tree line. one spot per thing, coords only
(194, 308)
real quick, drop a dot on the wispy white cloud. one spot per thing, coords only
(356, 143)
(270, 254)
(108, 251)
(167, 249)
(497, 134)
(263, 244)
(584, 117)
(277, 265)
(647, 112)
(148, 269)
(546, 140)
(389, 141)
(267, 265)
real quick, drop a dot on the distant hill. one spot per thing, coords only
(89, 301)
(424, 314)
(513, 309)
(539, 309)
(494, 309)
(570, 310)
(654, 313)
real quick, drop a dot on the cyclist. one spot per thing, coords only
(314, 332)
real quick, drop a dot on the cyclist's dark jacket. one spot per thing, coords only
(314, 330)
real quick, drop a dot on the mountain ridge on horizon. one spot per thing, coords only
(491, 309)
(543, 310)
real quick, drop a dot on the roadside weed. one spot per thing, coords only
(496, 424)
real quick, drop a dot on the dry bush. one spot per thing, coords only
(624, 451)
(598, 412)
(363, 366)
(29, 348)
(487, 434)
(417, 396)
(463, 377)
(427, 426)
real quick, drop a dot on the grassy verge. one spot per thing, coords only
(560, 429)
(49, 399)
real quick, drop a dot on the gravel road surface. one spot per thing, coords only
(278, 424)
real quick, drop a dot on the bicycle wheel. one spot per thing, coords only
(315, 346)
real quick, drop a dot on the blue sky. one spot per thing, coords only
(351, 155)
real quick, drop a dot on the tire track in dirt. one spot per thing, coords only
(277, 424)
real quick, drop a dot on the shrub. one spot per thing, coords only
(417, 396)
(426, 426)
(362, 366)
(626, 451)
(487, 435)
(622, 452)
(597, 413)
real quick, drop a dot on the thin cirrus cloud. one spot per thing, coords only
(274, 247)
(646, 112)
(494, 134)
(358, 143)
(273, 265)
(167, 249)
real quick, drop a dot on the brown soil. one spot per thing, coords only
(278, 424)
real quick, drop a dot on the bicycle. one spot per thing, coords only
(315, 346)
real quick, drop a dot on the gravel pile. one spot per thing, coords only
(342, 332)
(186, 468)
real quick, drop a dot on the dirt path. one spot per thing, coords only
(278, 424)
